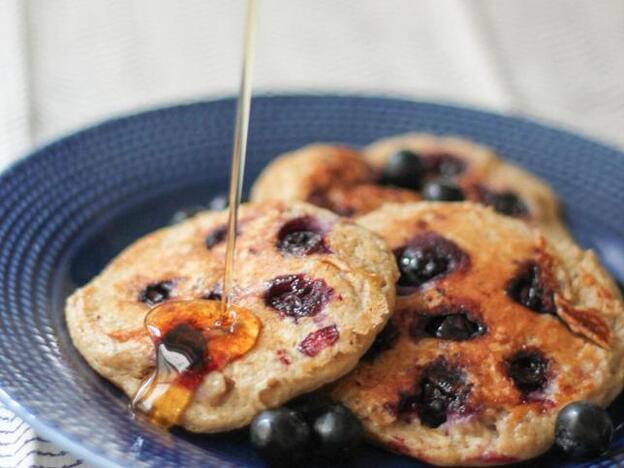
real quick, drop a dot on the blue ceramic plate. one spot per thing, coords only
(69, 208)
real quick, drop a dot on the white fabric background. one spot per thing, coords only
(65, 64)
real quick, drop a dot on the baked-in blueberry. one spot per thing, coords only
(404, 169)
(448, 322)
(529, 289)
(188, 342)
(302, 236)
(442, 389)
(442, 190)
(156, 293)
(428, 256)
(443, 164)
(528, 370)
(216, 236)
(297, 295)
(215, 294)
(505, 202)
(318, 340)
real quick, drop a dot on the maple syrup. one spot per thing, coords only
(193, 338)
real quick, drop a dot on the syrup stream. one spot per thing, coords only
(239, 149)
(195, 337)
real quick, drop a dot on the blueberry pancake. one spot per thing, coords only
(495, 329)
(321, 287)
(480, 174)
(335, 177)
(404, 169)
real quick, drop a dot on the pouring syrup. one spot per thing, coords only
(195, 337)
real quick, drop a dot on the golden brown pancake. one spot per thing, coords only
(351, 184)
(495, 329)
(321, 287)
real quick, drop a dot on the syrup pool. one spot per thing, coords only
(191, 339)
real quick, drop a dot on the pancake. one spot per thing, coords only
(495, 329)
(351, 183)
(321, 287)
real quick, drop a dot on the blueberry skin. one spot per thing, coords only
(583, 429)
(442, 190)
(281, 436)
(310, 405)
(404, 169)
(337, 431)
(186, 213)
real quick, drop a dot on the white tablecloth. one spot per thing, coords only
(65, 64)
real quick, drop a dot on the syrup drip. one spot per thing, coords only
(191, 339)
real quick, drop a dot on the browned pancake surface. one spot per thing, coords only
(473, 366)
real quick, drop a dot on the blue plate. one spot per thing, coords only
(70, 207)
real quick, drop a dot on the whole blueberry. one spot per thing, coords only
(583, 429)
(186, 213)
(508, 203)
(281, 435)
(404, 169)
(442, 190)
(310, 405)
(337, 431)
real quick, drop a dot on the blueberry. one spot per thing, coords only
(280, 435)
(442, 190)
(337, 431)
(454, 326)
(510, 204)
(583, 429)
(297, 295)
(156, 293)
(215, 294)
(505, 202)
(216, 236)
(443, 164)
(218, 203)
(528, 370)
(528, 288)
(188, 342)
(428, 256)
(420, 265)
(403, 169)
(186, 213)
(441, 390)
(310, 405)
(301, 236)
